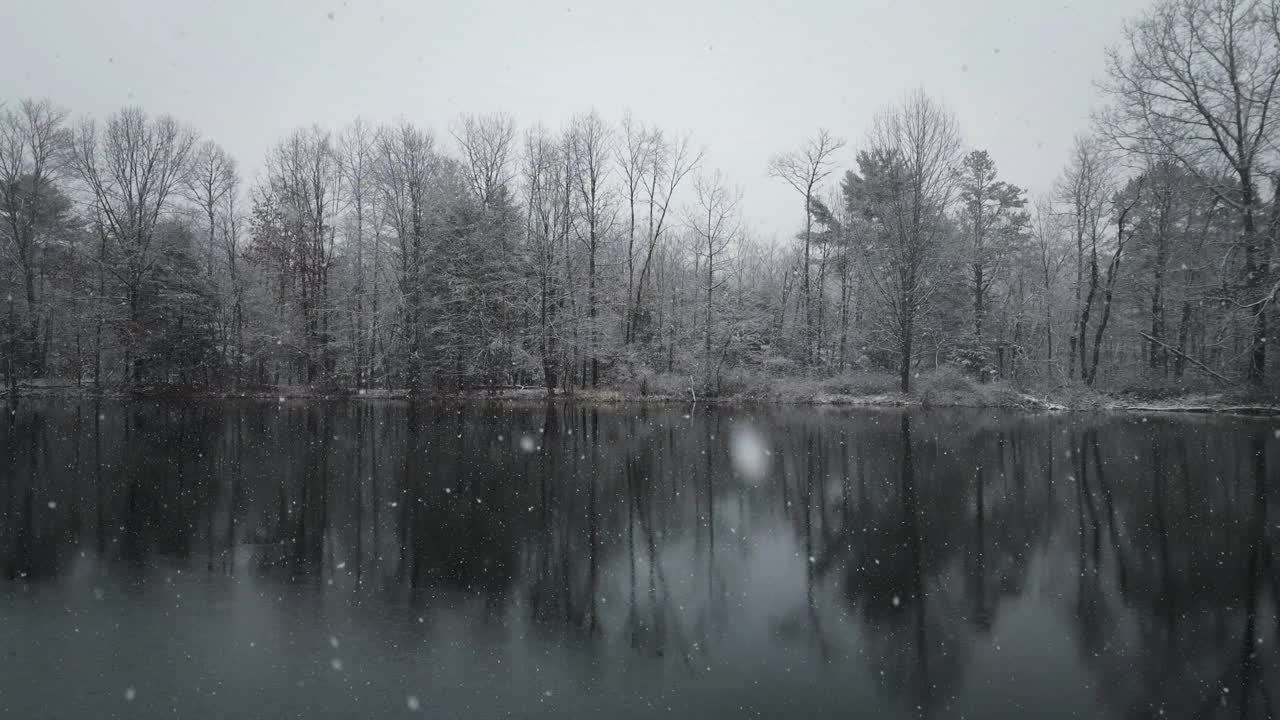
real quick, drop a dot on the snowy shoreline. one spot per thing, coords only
(1010, 401)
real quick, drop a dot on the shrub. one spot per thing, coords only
(944, 379)
(860, 382)
(1162, 389)
(1076, 396)
(948, 386)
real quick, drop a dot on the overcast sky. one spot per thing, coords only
(747, 78)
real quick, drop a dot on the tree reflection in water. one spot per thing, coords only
(950, 562)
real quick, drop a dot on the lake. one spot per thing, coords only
(373, 559)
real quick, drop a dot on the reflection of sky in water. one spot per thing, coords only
(998, 586)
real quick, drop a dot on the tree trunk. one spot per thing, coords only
(1112, 268)
(706, 342)
(1071, 357)
(628, 317)
(97, 335)
(977, 303)
(1258, 350)
(34, 364)
(904, 367)
(11, 371)
(238, 381)
(820, 297)
(133, 363)
(804, 275)
(844, 319)
(1183, 323)
(591, 311)
(1080, 339)
(1159, 358)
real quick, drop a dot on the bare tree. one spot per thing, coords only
(591, 139)
(1084, 189)
(669, 164)
(1166, 215)
(211, 187)
(1196, 80)
(406, 165)
(545, 208)
(487, 144)
(1123, 205)
(132, 169)
(231, 222)
(1049, 257)
(32, 139)
(213, 175)
(906, 187)
(803, 170)
(357, 150)
(713, 222)
(305, 177)
(846, 234)
(634, 161)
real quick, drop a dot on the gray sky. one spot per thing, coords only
(747, 78)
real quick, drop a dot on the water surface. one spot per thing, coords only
(360, 560)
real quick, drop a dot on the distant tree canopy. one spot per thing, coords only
(605, 254)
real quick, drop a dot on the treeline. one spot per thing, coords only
(607, 254)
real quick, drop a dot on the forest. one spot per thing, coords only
(607, 254)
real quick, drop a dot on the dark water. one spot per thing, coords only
(370, 560)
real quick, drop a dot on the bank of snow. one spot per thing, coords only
(936, 389)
